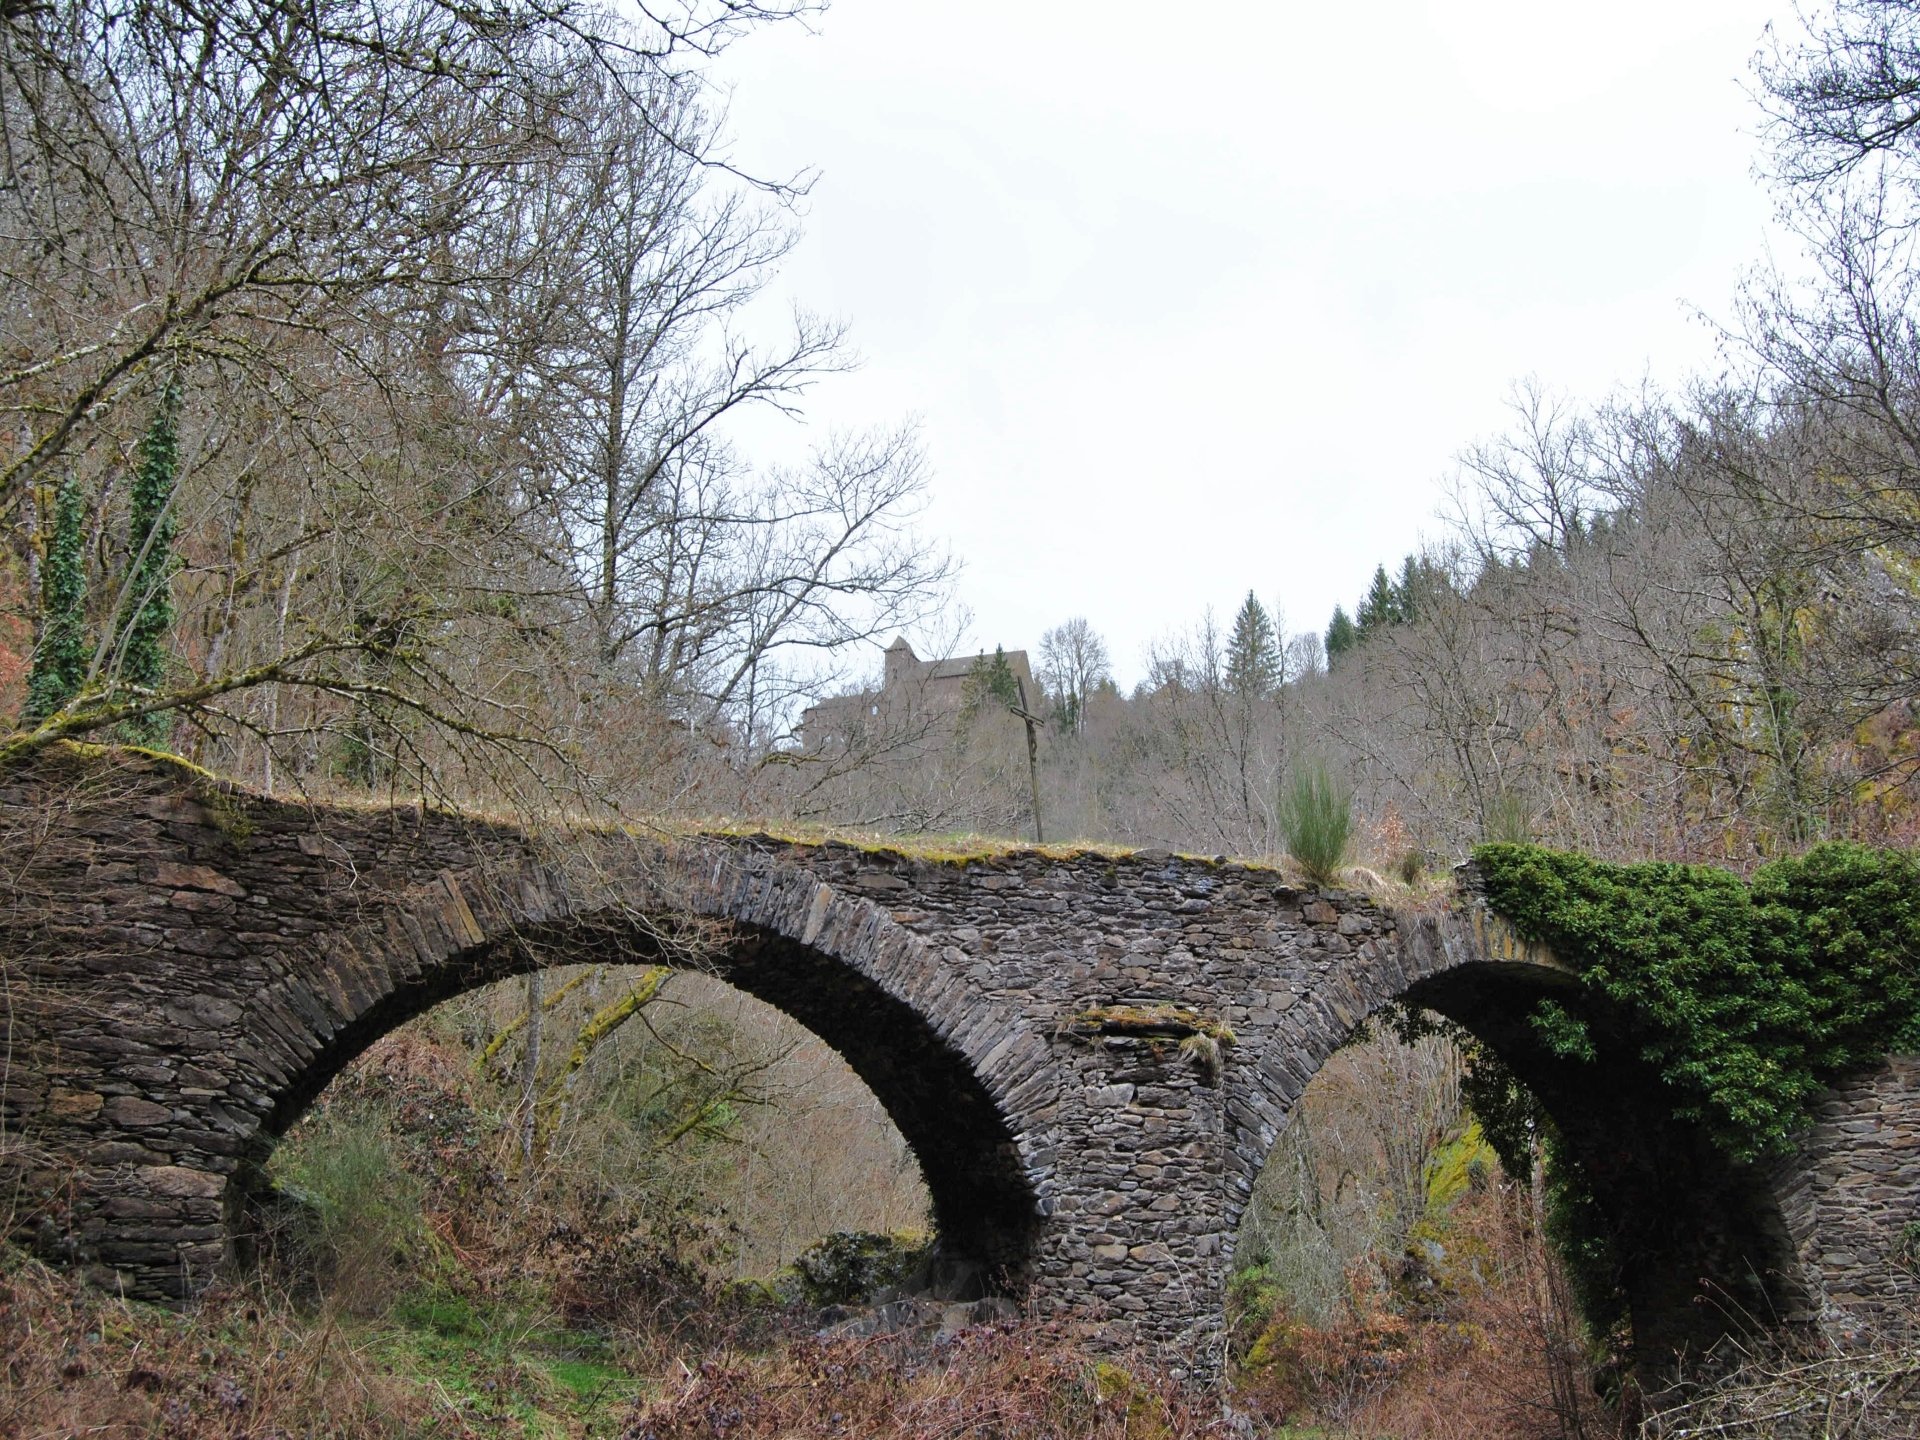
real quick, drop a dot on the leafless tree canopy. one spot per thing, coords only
(1678, 624)
(455, 302)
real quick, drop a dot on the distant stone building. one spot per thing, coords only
(946, 680)
(911, 690)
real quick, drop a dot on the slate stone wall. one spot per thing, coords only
(1851, 1199)
(1142, 1152)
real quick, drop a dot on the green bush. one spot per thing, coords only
(360, 1230)
(1747, 997)
(1316, 820)
(850, 1267)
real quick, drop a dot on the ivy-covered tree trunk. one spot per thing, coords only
(60, 659)
(146, 620)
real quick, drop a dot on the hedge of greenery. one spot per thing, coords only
(1747, 996)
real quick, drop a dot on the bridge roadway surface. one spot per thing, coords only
(1090, 1054)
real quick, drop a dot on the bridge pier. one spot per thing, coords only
(1143, 1219)
(130, 1180)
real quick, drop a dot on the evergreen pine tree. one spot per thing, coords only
(1407, 593)
(1381, 606)
(1067, 712)
(1253, 653)
(1342, 636)
(1421, 580)
(994, 678)
(146, 623)
(60, 659)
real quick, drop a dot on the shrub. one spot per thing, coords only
(1747, 996)
(1316, 820)
(850, 1267)
(359, 1225)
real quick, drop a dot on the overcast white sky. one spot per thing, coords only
(1190, 303)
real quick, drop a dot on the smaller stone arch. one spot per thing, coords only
(1705, 1244)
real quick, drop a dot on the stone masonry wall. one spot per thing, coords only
(197, 961)
(1151, 1155)
(1851, 1198)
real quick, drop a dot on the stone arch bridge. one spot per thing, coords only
(1090, 1055)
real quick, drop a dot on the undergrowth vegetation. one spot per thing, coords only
(421, 1277)
(246, 1364)
(1781, 1391)
(82, 1363)
(988, 1383)
(1394, 1280)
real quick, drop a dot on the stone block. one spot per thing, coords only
(134, 1113)
(173, 875)
(179, 1180)
(74, 1104)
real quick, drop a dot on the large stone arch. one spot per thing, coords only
(1707, 1243)
(956, 1072)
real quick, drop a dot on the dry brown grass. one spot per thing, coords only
(1008, 1382)
(238, 1365)
(1870, 1388)
(1487, 1351)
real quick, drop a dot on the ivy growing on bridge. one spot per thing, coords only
(1747, 996)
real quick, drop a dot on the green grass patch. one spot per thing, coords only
(503, 1361)
(593, 1380)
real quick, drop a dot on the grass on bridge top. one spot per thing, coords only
(945, 848)
(962, 848)
(951, 847)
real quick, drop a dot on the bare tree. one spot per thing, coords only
(1846, 93)
(1073, 664)
(448, 296)
(1532, 488)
